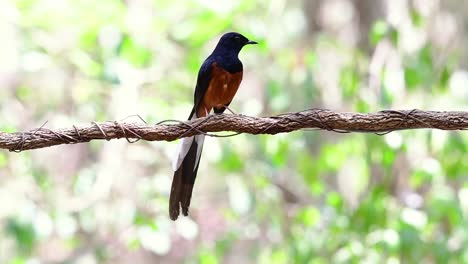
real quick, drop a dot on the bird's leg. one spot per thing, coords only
(218, 110)
(230, 110)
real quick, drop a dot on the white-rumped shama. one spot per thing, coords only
(218, 79)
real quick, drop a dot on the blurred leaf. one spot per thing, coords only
(372, 211)
(134, 244)
(448, 68)
(412, 77)
(362, 106)
(309, 216)
(416, 18)
(388, 157)
(3, 160)
(332, 156)
(421, 69)
(420, 177)
(378, 31)
(444, 207)
(207, 257)
(308, 168)
(24, 93)
(42, 179)
(335, 200)
(231, 160)
(141, 219)
(23, 233)
(135, 53)
(278, 97)
(86, 64)
(311, 59)
(223, 245)
(409, 239)
(394, 36)
(278, 148)
(18, 260)
(279, 257)
(442, 252)
(349, 81)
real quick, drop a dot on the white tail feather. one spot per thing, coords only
(184, 147)
(182, 150)
(199, 139)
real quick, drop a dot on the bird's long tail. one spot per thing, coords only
(185, 171)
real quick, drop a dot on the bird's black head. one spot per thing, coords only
(233, 41)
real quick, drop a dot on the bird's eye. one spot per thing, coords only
(237, 37)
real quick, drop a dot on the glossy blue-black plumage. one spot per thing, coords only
(226, 56)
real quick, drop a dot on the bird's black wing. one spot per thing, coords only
(203, 81)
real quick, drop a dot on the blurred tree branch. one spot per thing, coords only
(380, 123)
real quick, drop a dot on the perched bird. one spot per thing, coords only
(218, 79)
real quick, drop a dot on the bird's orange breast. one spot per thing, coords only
(221, 90)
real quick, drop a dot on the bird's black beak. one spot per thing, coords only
(251, 42)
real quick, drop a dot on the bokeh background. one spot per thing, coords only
(302, 197)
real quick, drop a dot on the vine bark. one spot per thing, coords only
(344, 122)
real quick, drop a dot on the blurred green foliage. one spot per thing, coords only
(303, 197)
